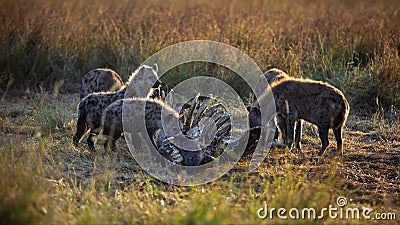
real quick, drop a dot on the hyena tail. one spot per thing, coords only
(343, 114)
(81, 125)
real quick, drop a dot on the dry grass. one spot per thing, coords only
(45, 179)
(353, 45)
(47, 46)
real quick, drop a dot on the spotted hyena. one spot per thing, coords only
(112, 118)
(100, 80)
(316, 102)
(275, 75)
(90, 109)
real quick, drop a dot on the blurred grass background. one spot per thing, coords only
(353, 45)
(47, 46)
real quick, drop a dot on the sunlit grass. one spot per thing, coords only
(46, 180)
(353, 46)
(47, 46)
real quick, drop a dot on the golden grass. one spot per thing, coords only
(46, 180)
(47, 46)
(354, 45)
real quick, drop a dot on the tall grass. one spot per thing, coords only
(36, 190)
(352, 44)
(47, 182)
(47, 46)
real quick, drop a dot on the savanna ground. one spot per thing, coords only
(47, 46)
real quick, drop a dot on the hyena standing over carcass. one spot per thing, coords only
(313, 101)
(100, 80)
(113, 126)
(275, 75)
(90, 109)
(112, 117)
(182, 127)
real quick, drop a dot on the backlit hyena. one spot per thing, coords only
(100, 80)
(112, 118)
(90, 109)
(313, 101)
(274, 75)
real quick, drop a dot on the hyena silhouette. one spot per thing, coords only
(274, 75)
(90, 109)
(316, 102)
(100, 80)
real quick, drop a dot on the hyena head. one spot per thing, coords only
(275, 74)
(144, 80)
(272, 75)
(254, 116)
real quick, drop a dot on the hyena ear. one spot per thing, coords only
(141, 70)
(155, 67)
(248, 108)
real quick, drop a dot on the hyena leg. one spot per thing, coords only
(81, 129)
(290, 122)
(112, 134)
(281, 128)
(91, 140)
(110, 142)
(339, 141)
(323, 135)
(276, 136)
(298, 131)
